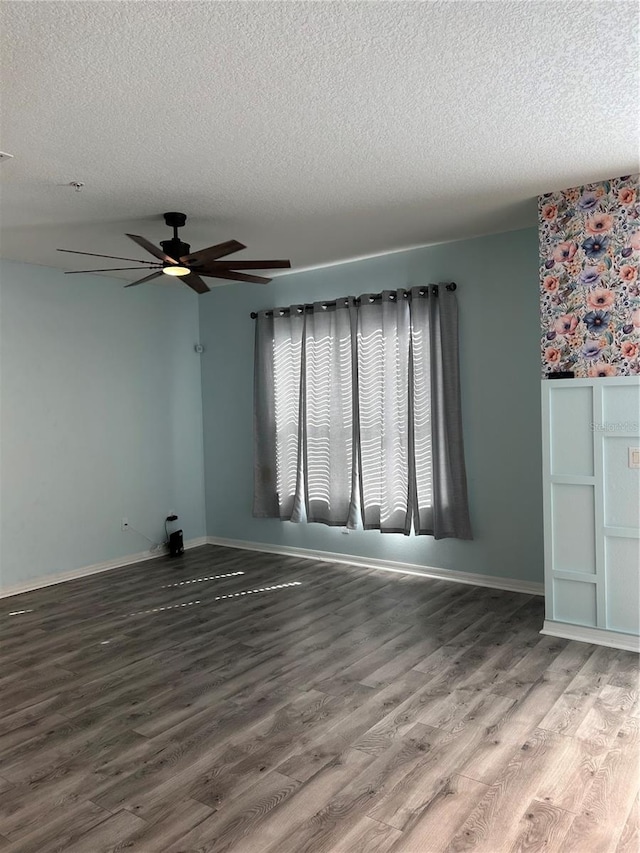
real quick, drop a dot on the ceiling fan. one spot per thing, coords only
(177, 259)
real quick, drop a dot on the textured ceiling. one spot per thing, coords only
(317, 131)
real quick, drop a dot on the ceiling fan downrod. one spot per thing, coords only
(175, 248)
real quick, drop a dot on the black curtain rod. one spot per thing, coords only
(373, 298)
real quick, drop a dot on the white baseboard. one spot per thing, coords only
(491, 581)
(96, 568)
(599, 636)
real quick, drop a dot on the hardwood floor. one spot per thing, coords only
(251, 703)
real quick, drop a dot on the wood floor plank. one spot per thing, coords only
(356, 799)
(488, 760)
(439, 814)
(309, 798)
(264, 744)
(30, 806)
(222, 831)
(107, 835)
(606, 807)
(607, 714)
(358, 710)
(58, 834)
(496, 822)
(572, 706)
(319, 750)
(568, 780)
(543, 828)
(401, 805)
(368, 836)
(630, 838)
(179, 818)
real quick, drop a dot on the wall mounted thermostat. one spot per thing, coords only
(634, 457)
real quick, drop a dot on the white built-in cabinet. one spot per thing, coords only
(591, 436)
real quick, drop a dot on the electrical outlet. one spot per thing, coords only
(125, 523)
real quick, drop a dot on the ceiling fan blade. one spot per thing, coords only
(111, 269)
(235, 276)
(154, 250)
(94, 255)
(146, 278)
(251, 265)
(203, 256)
(195, 282)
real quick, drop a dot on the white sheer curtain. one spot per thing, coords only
(357, 414)
(330, 444)
(383, 351)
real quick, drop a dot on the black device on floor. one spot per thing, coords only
(176, 545)
(174, 540)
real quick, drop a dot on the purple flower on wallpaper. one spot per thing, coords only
(587, 201)
(591, 349)
(589, 275)
(595, 246)
(596, 321)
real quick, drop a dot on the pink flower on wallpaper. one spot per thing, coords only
(565, 324)
(552, 355)
(564, 252)
(551, 283)
(602, 369)
(600, 298)
(601, 223)
(634, 242)
(627, 196)
(549, 212)
(628, 273)
(635, 318)
(629, 349)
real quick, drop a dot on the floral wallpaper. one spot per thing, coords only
(590, 293)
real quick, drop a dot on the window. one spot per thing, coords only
(357, 414)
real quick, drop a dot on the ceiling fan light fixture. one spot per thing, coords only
(172, 269)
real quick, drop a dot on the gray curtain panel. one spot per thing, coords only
(441, 504)
(357, 414)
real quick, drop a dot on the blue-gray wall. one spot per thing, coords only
(499, 339)
(102, 401)
(101, 417)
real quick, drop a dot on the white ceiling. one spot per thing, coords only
(318, 131)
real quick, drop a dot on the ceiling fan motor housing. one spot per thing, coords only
(175, 248)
